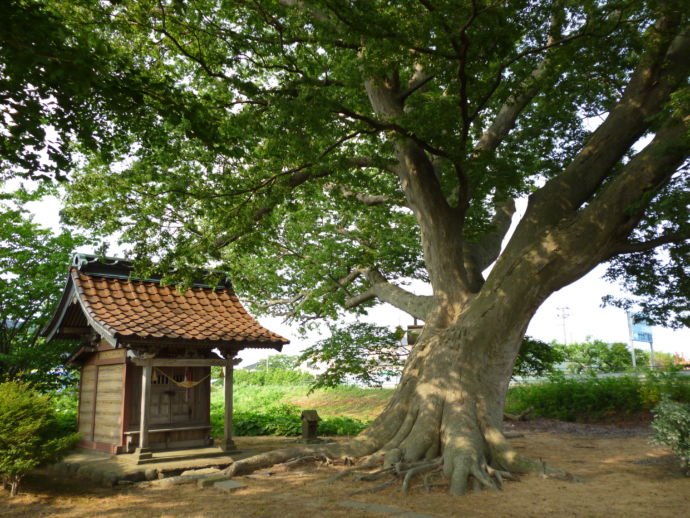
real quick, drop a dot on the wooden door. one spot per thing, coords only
(170, 405)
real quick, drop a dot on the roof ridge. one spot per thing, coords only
(120, 268)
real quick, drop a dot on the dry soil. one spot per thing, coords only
(623, 476)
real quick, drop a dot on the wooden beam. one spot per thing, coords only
(143, 450)
(75, 330)
(180, 362)
(228, 443)
(93, 404)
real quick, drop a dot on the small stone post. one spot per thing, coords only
(310, 425)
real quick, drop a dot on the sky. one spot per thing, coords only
(585, 316)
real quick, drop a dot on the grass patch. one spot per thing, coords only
(275, 409)
(354, 402)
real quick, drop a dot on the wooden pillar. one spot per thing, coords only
(143, 451)
(228, 444)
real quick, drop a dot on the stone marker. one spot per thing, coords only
(310, 425)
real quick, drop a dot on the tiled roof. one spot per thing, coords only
(134, 309)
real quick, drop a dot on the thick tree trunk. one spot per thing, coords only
(449, 402)
(448, 406)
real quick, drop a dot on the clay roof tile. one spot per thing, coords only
(148, 310)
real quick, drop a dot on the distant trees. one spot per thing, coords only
(278, 369)
(595, 355)
(537, 358)
(33, 266)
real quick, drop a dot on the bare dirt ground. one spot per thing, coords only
(624, 476)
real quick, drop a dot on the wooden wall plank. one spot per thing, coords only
(87, 385)
(109, 404)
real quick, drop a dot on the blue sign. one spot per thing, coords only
(641, 331)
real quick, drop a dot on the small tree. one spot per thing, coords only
(672, 428)
(30, 433)
(536, 358)
(596, 356)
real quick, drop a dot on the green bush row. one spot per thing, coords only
(572, 399)
(280, 419)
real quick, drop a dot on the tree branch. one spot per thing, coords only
(486, 250)
(369, 200)
(643, 246)
(418, 80)
(661, 71)
(416, 305)
(394, 127)
(507, 115)
(629, 194)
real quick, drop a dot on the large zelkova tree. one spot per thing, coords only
(326, 152)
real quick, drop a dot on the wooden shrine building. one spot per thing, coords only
(146, 354)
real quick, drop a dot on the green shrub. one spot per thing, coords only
(30, 433)
(285, 420)
(671, 426)
(262, 412)
(572, 398)
(669, 382)
(66, 405)
(341, 426)
(592, 397)
(281, 419)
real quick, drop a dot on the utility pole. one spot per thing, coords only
(630, 337)
(563, 314)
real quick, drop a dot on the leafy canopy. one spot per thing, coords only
(361, 352)
(243, 131)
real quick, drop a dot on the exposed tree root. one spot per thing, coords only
(426, 432)
(376, 475)
(366, 463)
(306, 458)
(467, 469)
(412, 472)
